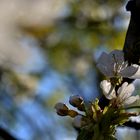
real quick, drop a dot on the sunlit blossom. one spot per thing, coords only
(108, 89)
(114, 65)
(123, 95)
(125, 92)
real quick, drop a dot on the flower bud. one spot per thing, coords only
(77, 101)
(79, 121)
(61, 109)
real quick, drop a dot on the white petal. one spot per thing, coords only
(105, 70)
(129, 71)
(125, 91)
(121, 90)
(129, 90)
(103, 59)
(105, 85)
(105, 64)
(108, 90)
(119, 56)
(137, 73)
(131, 100)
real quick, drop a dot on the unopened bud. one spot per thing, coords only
(61, 109)
(79, 121)
(77, 101)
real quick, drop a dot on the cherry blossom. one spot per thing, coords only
(108, 89)
(114, 65)
(123, 95)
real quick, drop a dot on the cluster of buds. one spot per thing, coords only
(90, 118)
(77, 102)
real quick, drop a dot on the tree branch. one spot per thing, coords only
(132, 40)
(132, 43)
(5, 135)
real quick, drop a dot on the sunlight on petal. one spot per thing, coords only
(131, 100)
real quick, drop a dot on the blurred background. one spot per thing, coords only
(48, 51)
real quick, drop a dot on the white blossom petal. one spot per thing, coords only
(108, 90)
(137, 73)
(121, 90)
(104, 59)
(129, 71)
(104, 70)
(104, 62)
(119, 56)
(131, 99)
(125, 91)
(129, 90)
